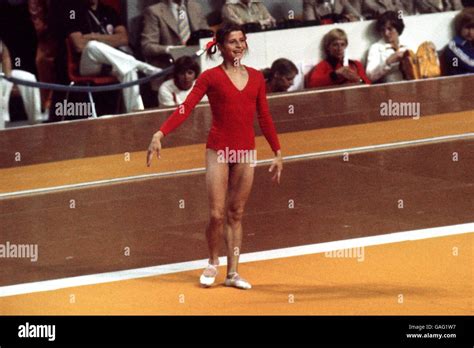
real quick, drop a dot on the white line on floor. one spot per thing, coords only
(265, 161)
(100, 278)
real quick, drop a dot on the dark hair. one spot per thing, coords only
(391, 17)
(222, 34)
(465, 18)
(282, 66)
(184, 64)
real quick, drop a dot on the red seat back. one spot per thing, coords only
(115, 4)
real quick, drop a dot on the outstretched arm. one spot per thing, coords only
(180, 115)
(268, 129)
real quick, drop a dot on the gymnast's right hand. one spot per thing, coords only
(155, 146)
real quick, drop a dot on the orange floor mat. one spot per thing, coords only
(326, 139)
(423, 277)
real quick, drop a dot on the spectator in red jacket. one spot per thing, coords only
(336, 69)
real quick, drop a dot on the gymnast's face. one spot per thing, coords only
(467, 33)
(234, 46)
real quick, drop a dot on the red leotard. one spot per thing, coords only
(233, 111)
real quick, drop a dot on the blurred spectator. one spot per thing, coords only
(460, 51)
(280, 76)
(357, 4)
(336, 69)
(97, 34)
(47, 46)
(383, 61)
(330, 11)
(432, 6)
(408, 7)
(174, 91)
(371, 9)
(29, 95)
(247, 11)
(18, 33)
(168, 25)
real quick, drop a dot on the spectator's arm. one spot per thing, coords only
(361, 73)
(322, 76)
(117, 39)
(457, 5)
(451, 69)
(165, 97)
(376, 66)
(424, 7)
(6, 60)
(79, 41)
(371, 8)
(150, 38)
(309, 13)
(350, 10)
(267, 17)
(229, 15)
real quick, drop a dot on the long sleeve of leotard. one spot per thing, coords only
(183, 111)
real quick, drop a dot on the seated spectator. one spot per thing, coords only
(280, 76)
(433, 6)
(357, 5)
(98, 36)
(460, 51)
(168, 25)
(336, 69)
(330, 11)
(247, 11)
(174, 91)
(383, 61)
(372, 9)
(47, 46)
(408, 7)
(29, 95)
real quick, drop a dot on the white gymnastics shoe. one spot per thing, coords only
(208, 276)
(237, 282)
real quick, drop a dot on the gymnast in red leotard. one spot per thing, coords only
(236, 92)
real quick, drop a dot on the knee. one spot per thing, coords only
(23, 75)
(217, 217)
(93, 46)
(235, 214)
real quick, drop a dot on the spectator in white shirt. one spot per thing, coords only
(383, 61)
(29, 95)
(174, 91)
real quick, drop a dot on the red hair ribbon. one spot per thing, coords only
(211, 43)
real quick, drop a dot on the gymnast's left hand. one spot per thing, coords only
(278, 164)
(155, 147)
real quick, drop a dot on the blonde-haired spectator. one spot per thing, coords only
(337, 68)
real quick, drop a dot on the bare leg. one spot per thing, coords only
(217, 176)
(240, 185)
